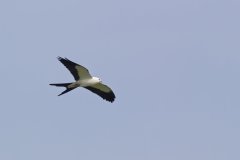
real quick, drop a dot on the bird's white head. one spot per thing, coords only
(97, 79)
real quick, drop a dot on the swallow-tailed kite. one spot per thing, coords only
(85, 80)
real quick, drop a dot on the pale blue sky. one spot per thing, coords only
(173, 65)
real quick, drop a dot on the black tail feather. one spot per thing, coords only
(60, 84)
(63, 85)
(67, 90)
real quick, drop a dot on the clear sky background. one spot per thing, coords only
(173, 65)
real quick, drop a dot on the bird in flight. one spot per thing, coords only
(84, 79)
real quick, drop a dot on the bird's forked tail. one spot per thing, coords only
(62, 85)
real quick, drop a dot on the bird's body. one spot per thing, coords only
(84, 79)
(85, 82)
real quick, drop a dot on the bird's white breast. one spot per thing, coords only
(84, 82)
(88, 82)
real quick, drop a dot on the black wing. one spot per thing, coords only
(77, 70)
(103, 91)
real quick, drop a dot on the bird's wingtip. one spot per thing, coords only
(59, 58)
